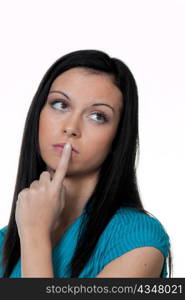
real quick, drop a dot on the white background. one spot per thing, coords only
(148, 35)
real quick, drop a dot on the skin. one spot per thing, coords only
(76, 121)
(45, 193)
(37, 209)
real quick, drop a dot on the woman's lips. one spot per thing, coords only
(59, 149)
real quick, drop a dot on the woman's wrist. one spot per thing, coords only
(36, 256)
(34, 237)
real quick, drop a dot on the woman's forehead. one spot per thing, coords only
(78, 76)
(80, 83)
(84, 72)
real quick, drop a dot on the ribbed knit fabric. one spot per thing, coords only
(128, 229)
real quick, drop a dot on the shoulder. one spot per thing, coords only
(140, 262)
(131, 233)
(127, 217)
(130, 229)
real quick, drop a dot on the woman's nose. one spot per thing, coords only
(70, 132)
(71, 127)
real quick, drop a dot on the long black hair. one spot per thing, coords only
(117, 184)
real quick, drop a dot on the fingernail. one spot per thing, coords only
(67, 147)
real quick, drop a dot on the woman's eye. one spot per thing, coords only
(58, 102)
(101, 116)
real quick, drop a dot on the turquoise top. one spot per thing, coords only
(128, 229)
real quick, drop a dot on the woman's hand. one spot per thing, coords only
(38, 207)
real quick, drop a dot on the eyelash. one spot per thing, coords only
(101, 114)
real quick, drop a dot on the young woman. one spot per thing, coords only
(77, 212)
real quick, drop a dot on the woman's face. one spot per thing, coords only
(72, 114)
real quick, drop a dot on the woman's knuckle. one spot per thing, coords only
(34, 183)
(45, 174)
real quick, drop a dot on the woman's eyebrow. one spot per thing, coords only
(95, 104)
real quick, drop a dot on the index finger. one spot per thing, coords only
(63, 165)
